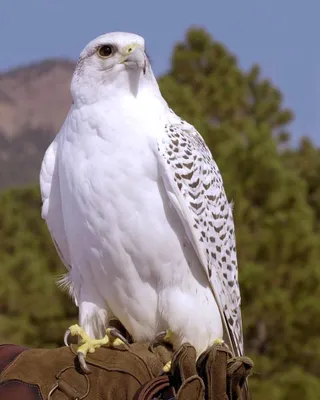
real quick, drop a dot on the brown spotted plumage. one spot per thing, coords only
(194, 177)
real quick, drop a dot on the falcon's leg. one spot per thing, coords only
(92, 331)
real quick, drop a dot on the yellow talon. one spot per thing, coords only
(113, 341)
(169, 336)
(167, 367)
(113, 338)
(89, 345)
(218, 341)
(76, 330)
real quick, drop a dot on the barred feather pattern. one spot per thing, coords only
(195, 179)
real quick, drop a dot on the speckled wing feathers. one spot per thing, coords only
(194, 185)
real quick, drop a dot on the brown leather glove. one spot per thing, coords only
(224, 376)
(184, 377)
(215, 376)
(37, 374)
(32, 374)
(182, 383)
(238, 370)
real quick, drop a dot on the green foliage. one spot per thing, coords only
(277, 209)
(32, 310)
(276, 191)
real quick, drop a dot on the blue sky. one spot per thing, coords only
(281, 35)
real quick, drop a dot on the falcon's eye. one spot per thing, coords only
(105, 51)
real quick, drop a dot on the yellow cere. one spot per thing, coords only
(129, 49)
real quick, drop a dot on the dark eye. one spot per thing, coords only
(105, 51)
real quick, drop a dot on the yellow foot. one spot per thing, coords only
(218, 341)
(113, 338)
(169, 336)
(167, 367)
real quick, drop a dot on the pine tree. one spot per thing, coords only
(243, 121)
(33, 311)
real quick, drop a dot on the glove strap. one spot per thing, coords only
(155, 387)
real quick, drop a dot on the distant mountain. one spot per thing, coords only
(34, 101)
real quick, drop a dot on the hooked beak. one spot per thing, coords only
(137, 57)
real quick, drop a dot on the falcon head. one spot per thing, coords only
(115, 59)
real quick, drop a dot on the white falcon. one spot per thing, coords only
(136, 207)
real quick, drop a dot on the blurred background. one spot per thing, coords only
(247, 75)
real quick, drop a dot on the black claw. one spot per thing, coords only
(66, 337)
(117, 335)
(83, 364)
(158, 339)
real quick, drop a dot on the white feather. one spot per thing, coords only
(113, 209)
